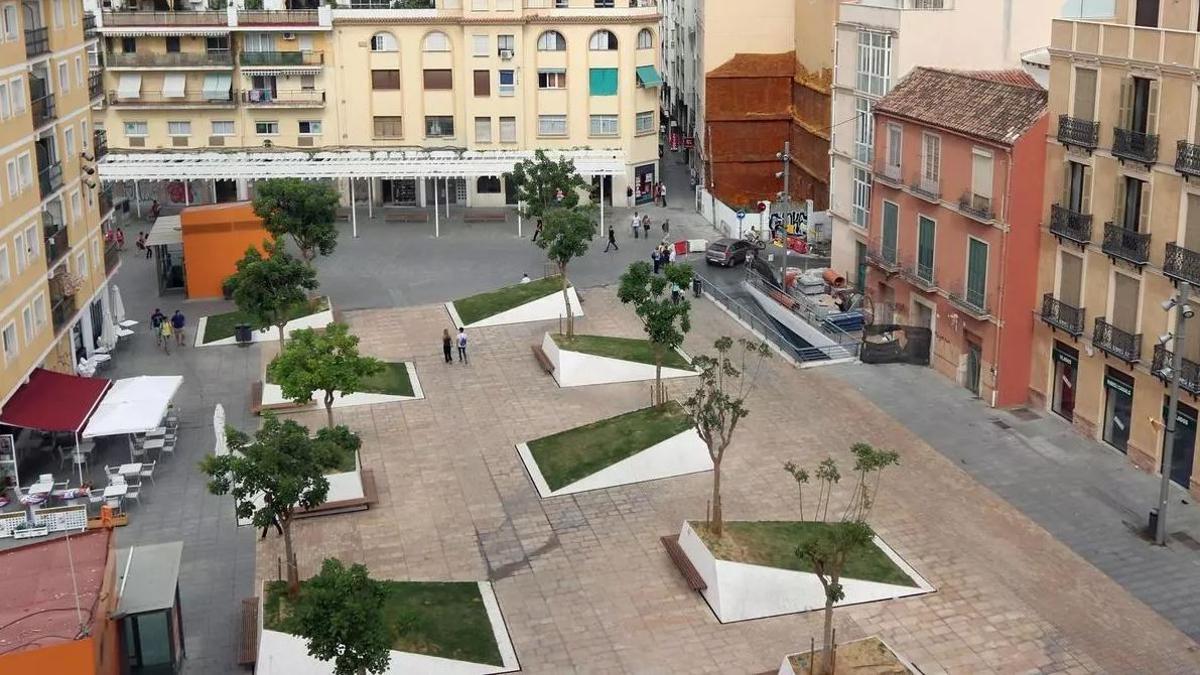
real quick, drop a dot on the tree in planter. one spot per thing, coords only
(301, 209)
(719, 403)
(827, 554)
(540, 181)
(326, 362)
(665, 319)
(269, 287)
(341, 615)
(277, 472)
(566, 233)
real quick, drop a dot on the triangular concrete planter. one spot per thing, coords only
(319, 320)
(577, 369)
(272, 395)
(741, 591)
(677, 456)
(546, 308)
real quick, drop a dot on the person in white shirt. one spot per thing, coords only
(636, 224)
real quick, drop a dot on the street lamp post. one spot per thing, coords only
(784, 200)
(1183, 312)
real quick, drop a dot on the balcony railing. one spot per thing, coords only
(885, 258)
(89, 26)
(888, 175)
(277, 17)
(96, 85)
(137, 18)
(1135, 145)
(216, 57)
(1070, 224)
(387, 4)
(1187, 158)
(99, 143)
(929, 190)
(972, 301)
(112, 258)
(50, 179)
(1061, 315)
(295, 58)
(57, 244)
(104, 199)
(154, 98)
(299, 97)
(1126, 244)
(44, 110)
(1181, 263)
(920, 275)
(977, 207)
(1077, 132)
(1189, 371)
(37, 42)
(1112, 340)
(61, 312)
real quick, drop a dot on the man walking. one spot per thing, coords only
(636, 224)
(536, 231)
(156, 320)
(612, 241)
(178, 321)
(629, 197)
(462, 345)
(662, 193)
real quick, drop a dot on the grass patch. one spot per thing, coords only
(392, 380)
(345, 461)
(637, 350)
(568, 456)
(773, 543)
(481, 306)
(445, 619)
(220, 326)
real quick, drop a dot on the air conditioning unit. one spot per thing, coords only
(304, 141)
(289, 36)
(216, 140)
(506, 54)
(179, 141)
(137, 142)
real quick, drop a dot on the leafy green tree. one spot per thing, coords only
(269, 287)
(327, 362)
(665, 319)
(540, 181)
(301, 209)
(341, 615)
(566, 234)
(719, 403)
(827, 553)
(270, 477)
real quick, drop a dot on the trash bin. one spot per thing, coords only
(696, 287)
(241, 333)
(1153, 522)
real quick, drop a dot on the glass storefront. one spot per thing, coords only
(1118, 408)
(1066, 371)
(1184, 450)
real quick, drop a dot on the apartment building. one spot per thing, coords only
(54, 263)
(1122, 228)
(479, 81)
(955, 220)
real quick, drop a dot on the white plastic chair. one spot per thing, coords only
(168, 447)
(148, 470)
(134, 493)
(116, 479)
(111, 471)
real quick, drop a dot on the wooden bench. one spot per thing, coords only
(405, 216)
(370, 496)
(675, 552)
(543, 360)
(248, 644)
(485, 216)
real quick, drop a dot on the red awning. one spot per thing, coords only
(52, 401)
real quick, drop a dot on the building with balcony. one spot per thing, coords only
(482, 83)
(952, 234)
(53, 271)
(1122, 229)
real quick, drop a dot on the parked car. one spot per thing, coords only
(728, 252)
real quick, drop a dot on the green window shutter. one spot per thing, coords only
(977, 272)
(925, 249)
(889, 231)
(603, 82)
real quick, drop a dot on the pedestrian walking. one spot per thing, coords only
(676, 294)
(670, 253)
(141, 242)
(120, 239)
(666, 227)
(646, 226)
(178, 321)
(635, 224)
(656, 259)
(629, 197)
(156, 320)
(612, 241)
(155, 209)
(662, 193)
(462, 345)
(165, 331)
(447, 341)
(537, 229)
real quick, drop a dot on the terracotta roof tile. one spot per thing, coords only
(757, 65)
(997, 106)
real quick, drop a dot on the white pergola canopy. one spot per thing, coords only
(133, 405)
(341, 164)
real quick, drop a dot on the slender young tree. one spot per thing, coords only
(270, 287)
(867, 460)
(665, 319)
(828, 554)
(327, 362)
(566, 234)
(341, 616)
(301, 209)
(542, 184)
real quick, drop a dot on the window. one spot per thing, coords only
(508, 83)
(78, 71)
(129, 45)
(266, 128)
(645, 122)
(5, 102)
(874, 62)
(58, 13)
(31, 243)
(309, 127)
(483, 130)
(862, 196)
(388, 127)
(25, 169)
(136, 129)
(76, 205)
(436, 42)
(1131, 209)
(10, 341)
(439, 126)
(181, 128)
(602, 41)
(1083, 105)
(480, 45)
(551, 41)
(81, 262)
(488, 185)
(11, 23)
(222, 128)
(438, 80)
(172, 44)
(925, 242)
(1139, 108)
(216, 44)
(384, 42)
(864, 130)
(982, 171)
(552, 79)
(508, 130)
(5, 276)
(931, 161)
(19, 248)
(39, 311)
(1146, 13)
(645, 39)
(259, 42)
(552, 125)
(1118, 408)
(69, 141)
(385, 79)
(890, 225)
(64, 80)
(14, 178)
(96, 259)
(308, 82)
(603, 4)
(483, 83)
(1077, 187)
(505, 44)
(602, 81)
(604, 125)
(977, 263)
(17, 86)
(27, 321)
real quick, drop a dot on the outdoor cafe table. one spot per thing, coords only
(115, 491)
(131, 469)
(152, 444)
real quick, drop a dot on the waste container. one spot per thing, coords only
(696, 286)
(241, 333)
(1153, 522)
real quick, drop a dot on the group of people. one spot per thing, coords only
(448, 342)
(658, 193)
(116, 236)
(662, 255)
(165, 327)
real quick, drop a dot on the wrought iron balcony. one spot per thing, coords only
(61, 312)
(920, 275)
(137, 18)
(977, 207)
(57, 244)
(888, 175)
(1070, 224)
(1078, 132)
(37, 42)
(1060, 315)
(305, 98)
(112, 258)
(882, 257)
(277, 17)
(1189, 371)
(929, 190)
(96, 85)
(44, 110)
(1112, 340)
(1135, 145)
(1129, 245)
(1187, 158)
(89, 26)
(191, 99)
(1181, 263)
(50, 179)
(218, 58)
(294, 58)
(971, 301)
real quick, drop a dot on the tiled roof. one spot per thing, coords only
(997, 106)
(757, 65)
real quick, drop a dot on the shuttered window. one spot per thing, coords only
(483, 83)
(890, 223)
(438, 79)
(385, 79)
(1070, 279)
(925, 240)
(982, 173)
(1191, 233)
(1084, 105)
(1125, 302)
(977, 254)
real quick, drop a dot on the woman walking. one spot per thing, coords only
(646, 225)
(447, 343)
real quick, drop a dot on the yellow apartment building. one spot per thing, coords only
(1122, 228)
(54, 263)
(396, 95)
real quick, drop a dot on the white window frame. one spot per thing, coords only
(69, 141)
(511, 124)
(179, 128)
(39, 311)
(503, 89)
(64, 77)
(648, 43)
(6, 110)
(319, 128)
(864, 129)
(931, 165)
(137, 129)
(10, 16)
(5, 271)
(27, 324)
(481, 45)
(644, 122)
(550, 125)
(25, 170)
(983, 154)
(272, 127)
(861, 205)
(555, 78)
(232, 128)
(17, 87)
(874, 71)
(435, 41)
(11, 351)
(604, 125)
(551, 41)
(483, 130)
(20, 249)
(380, 42)
(31, 243)
(14, 178)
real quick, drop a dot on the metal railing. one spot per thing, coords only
(920, 274)
(1187, 158)
(1078, 132)
(1189, 371)
(295, 97)
(96, 85)
(1181, 263)
(277, 17)
(884, 257)
(888, 174)
(1135, 145)
(57, 243)
(37, 42)
(589, 4)
(50, 179)
(169, 18)
(929, 190)
(44, 110)
(89, 26)
(61, 311)
(1112, 340)
(1126, 244)
(1061, 315)
(976, 206)
(216, 57)
(293, 58)
(396, 4)
(156, 98)
(112, 257)
(1070, 224)
(972, 301)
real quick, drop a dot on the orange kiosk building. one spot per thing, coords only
(215, 237)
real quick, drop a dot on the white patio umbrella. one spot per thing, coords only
(221, 447)
(108, 333)
(119, 309)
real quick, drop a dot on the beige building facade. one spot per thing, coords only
(54, 261)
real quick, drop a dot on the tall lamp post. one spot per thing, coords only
(784, 200)
(1183, 312)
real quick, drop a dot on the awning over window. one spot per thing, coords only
(647, 76)
(130, 86)
(216, 87)
(134, 405)
(603, 82)
(174, 84)
(167, 231)
(52, 401)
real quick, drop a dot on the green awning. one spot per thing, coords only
(647, 76)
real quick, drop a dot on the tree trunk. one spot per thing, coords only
(658, 383)
(562, 273)
(293, 575)
(827, 646)
(716, 525)
(280, 327)
(329, 408)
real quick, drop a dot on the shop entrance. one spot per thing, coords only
(1066, 372)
